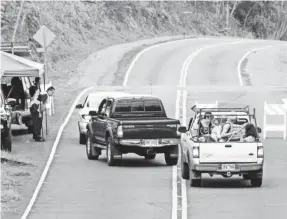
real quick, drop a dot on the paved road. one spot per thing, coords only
(79, 188)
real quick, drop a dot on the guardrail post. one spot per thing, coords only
(275, 110)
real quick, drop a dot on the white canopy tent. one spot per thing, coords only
(16, 66)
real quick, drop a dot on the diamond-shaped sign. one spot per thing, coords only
(44, 36)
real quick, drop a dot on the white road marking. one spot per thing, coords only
(243, 58)
(51, 156)
(149, 48)
(182, 84)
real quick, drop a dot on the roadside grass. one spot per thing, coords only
(15, 171)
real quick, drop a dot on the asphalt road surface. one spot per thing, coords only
(79, 188)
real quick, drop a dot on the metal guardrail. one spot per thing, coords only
(16, 47)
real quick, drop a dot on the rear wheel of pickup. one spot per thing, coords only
(150, 156)
(89, 148)
(171, 156)
(195, 179)
(111, 151)
(257, 182)
(82, 139)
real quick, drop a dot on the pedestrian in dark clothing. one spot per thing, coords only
(35, 87)
(37, 107)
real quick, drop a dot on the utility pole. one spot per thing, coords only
(227, 15)
(44, 37)
(45, 71)
(16, 25)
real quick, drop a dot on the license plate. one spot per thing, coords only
(151, 142)
(227, 167)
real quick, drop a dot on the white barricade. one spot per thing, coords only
(206, 105)
(274, 110)
(50, 102)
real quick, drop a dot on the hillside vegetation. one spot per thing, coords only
(85, 26)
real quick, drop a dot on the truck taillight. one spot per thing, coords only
(195, 152)
(120, 132)
(177, 132)
(260, 152)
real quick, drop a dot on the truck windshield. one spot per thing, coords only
(138, 106)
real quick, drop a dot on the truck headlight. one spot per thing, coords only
(195, 152)
(120, 132)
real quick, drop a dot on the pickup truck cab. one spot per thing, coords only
(234, 155)
(130, 123)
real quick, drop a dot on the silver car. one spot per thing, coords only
(91, 103)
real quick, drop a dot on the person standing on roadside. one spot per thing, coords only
(36, 87)
(37, 108)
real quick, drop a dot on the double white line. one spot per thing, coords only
(180, 113)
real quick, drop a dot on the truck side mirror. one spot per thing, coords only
(93, 113)
(79, 106)
(259, 130)
(182, 129)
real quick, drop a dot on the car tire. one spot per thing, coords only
(171, 161)
(111, 149)
(185, 170)
(246, 177)
(6, 142)
(89, 148)
(195, 182)
(82, 138)
(150, 156)
(257, 182)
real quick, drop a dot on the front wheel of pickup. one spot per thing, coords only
(89, 148)
(257, 182)
(171, 156)
(184, 170)
(82, 138)
(111, 151)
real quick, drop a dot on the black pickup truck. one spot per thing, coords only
(132, 124)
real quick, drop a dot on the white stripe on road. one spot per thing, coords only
(239, 73)
(149, 48)
(52, 154)
(184, 71)
(182, 84)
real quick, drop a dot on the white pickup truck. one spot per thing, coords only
(232, 156)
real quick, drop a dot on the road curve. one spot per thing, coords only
(79, 188)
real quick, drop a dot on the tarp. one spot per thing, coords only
(16, 66)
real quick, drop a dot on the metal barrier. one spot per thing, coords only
(16, 47)
(275, 110)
